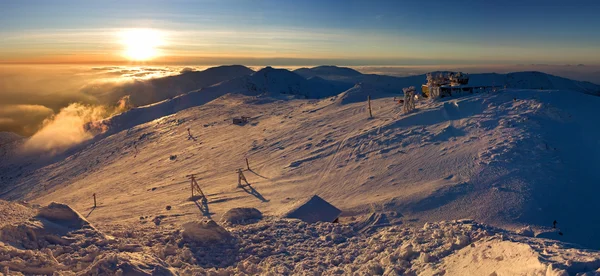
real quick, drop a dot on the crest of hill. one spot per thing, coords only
(515, 80)
(276, 82)
(267, 81)
(327, 70)
(144, 92)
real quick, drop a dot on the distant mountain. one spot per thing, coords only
(145, 92)
(389, 84)
(273, 81)
(327, 71)
(539, 80)
(267, 81)
(370, 83)
(323, 81)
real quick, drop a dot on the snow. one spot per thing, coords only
(204, 232)
(144, 92)
(8, 137)
(514, 159)
(516, 80)
(241, 216)
(314, 209)
(285, 247)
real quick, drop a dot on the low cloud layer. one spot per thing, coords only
(65, 129)
(31, 94)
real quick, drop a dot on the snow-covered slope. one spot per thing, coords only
(265, 82)
(8, 137)
(9, 164)
(512, 158)
(144, 92)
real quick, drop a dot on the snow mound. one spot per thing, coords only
(126, 263)
(496, 257)
(64, 215)
(314, 209)
(204, 232)
(359, 93)
(52, 225)
(14, 261)
(241, 215)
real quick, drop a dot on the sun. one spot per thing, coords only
(140, 44)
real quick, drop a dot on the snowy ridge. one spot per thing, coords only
(516, 80)
(144, 92)
(266, 82)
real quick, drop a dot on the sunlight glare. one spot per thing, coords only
(141, 44)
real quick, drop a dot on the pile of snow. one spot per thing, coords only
(314, 209)
(126, 263)
(50, 226)
(359, 93)
(289, 247)
(241, 216)
(64, 215)
(204, 231)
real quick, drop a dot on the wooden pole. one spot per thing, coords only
(247, 164)
(192, 185)
(94, 200)
(370, 112)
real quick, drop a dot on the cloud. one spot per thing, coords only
(30, 94)
(22, 118)
(71, 126)
(65, 129)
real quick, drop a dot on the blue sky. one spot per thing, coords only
(353, 32)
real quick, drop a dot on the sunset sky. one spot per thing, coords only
(280, 32)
